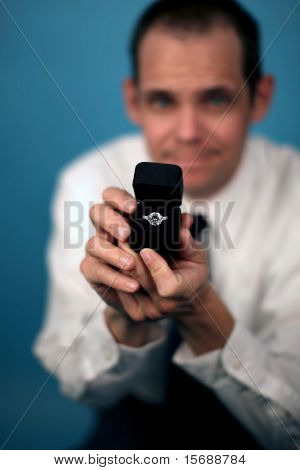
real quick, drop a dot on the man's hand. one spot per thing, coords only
(168, 288)
(185, 295)
(104, 259)
(180, 291)
(111, 267)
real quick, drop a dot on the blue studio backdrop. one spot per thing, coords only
(62, 64)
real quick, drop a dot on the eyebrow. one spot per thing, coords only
(156, 93)
(210, 91)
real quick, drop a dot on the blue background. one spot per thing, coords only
(84, 47)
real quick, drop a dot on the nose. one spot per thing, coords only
(188, 125)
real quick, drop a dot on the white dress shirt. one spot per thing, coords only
(256, 272)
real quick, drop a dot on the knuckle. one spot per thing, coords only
(163, 292)
(135, 318)
(129, 203)
(99, 275)
(140, 319)
(93, 210)
(137, 273)
(173, 288)
(160, 269)
(108, 191)
(166, 290)
(82, 265)
(91, 244)
(105, 192)
(188, 219)
(134, 314)
(167, 306)
(139, 313)
(153, 314)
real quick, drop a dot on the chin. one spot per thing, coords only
(197, 186)
(196, 180)
(195, 190)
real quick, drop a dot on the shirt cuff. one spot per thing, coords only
(130, 354)
(113, 370)
(145, 366)
(207, 368)
(246, 359)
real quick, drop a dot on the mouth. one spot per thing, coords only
(195, 158)
(196, 161)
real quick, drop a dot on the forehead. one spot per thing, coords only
(206, 59)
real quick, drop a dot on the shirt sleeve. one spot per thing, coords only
(258, 388)
(257, 374)
(136, 372)
(75, 344)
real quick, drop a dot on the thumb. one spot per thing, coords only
(186, 220)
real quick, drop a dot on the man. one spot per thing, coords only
(171, 356)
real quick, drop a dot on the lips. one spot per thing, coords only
(194, 161)
(201, 155)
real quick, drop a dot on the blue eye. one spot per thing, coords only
(217, 100)
(162, 102)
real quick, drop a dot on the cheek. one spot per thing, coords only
(157, 131)
(230, 132)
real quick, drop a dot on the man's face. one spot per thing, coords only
(184, 106)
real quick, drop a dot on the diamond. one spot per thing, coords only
(155, 218)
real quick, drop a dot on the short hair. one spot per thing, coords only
(199, 16)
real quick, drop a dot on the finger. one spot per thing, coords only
(109, 295)
(105, 251)
(119, 199)
(190, 248)
(186, 220)
(108, 219)
(96, 272)
(139, 270)
(100, 232)
(131, 306)
(166, 280)
(192, 268)
(139, 306)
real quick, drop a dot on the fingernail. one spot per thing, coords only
(126, 261)
(132, 285)
(131, 206)
(123, 232)
(146, 256)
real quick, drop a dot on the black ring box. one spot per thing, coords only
(158, 188)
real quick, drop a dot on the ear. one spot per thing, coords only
(262, 98)
(130, 94)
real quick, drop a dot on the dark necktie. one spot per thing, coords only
(200, 231)
(199, 224)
